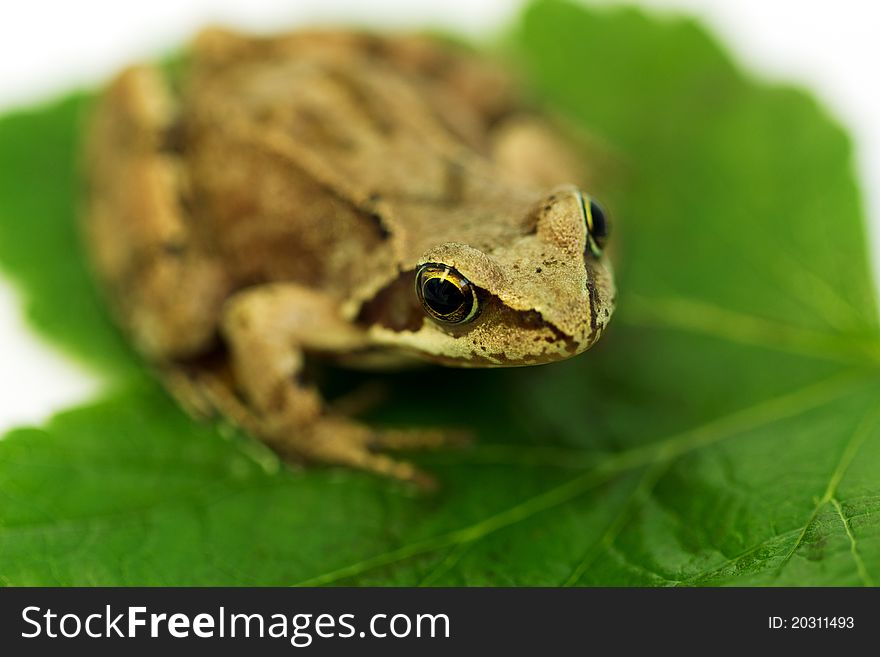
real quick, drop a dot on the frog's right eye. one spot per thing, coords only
(598, 227)
(447, 296)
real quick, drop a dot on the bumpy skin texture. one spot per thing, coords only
(280, 203)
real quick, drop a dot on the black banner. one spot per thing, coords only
(433, 621)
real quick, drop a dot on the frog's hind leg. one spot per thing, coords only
(165, 291)
(268, 329)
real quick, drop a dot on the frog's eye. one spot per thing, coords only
(598, 226)
(446, 295)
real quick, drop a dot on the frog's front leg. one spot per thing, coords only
(268, 330)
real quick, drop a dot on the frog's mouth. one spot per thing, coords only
(498, 337)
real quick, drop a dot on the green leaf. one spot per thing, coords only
(725, 431)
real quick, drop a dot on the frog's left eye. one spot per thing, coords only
(446, 295)
(598, 226)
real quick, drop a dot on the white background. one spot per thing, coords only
(48, 47)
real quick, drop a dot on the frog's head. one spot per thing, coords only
(544, 295)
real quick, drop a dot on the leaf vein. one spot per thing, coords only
(699, 317)
(860, 564)
(785, 405)
(849, 452)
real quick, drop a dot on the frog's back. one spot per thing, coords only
(303, 150)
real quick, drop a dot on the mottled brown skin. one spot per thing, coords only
(280, 203)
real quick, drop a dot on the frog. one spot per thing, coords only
(372, 200)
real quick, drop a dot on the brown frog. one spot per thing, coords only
(376, 200)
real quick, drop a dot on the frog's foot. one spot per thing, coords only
(330, 440)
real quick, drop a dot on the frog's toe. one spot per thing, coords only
(361, 400)
(419, 439)
(386, 466)
(343, 442)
